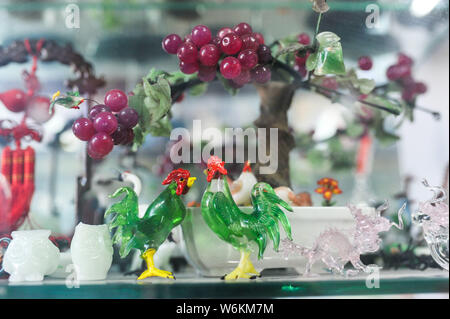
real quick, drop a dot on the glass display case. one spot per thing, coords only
(343, 111)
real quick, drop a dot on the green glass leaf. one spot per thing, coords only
(366, 86)
(226, 84)
(161, 128)
(139, 138)
(154, 74)
(388, 105)
(311, 62)
(290, 39)
(158, 99)
(199, 89)
(291, 48)
(328, 39)
(164, 86)
(179, 77)
(152, 100)
(330, 59)
(136, 102)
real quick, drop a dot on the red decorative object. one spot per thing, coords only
(15, 100)
(363, 155)
(18, 168)
(17, 165)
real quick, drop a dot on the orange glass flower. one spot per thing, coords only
(328, 188)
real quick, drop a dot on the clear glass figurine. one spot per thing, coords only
(432, 215)
(335, 248)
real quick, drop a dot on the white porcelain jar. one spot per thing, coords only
(30, 256)
(91, 251)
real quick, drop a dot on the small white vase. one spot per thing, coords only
(30, 256)
(91, 251)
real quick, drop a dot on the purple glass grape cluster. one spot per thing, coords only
(401, 73)
(238, 53)
(107, 125)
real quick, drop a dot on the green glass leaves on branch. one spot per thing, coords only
(328, 59)
(199, 89)
(152, 100)
(161, 127)
(158, 100)
(384, 104)
(364, 86)
(289, 48)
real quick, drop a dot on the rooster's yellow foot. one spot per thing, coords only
(250, 269)
(155, 272)
(238, 273)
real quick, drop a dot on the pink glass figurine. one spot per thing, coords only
(335, 248)
(432, 215)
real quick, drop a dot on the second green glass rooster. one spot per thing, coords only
(237, 228)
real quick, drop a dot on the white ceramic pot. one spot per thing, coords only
(91, 251)
(213, 257)
(30, 256)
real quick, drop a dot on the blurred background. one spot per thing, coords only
(122, 39)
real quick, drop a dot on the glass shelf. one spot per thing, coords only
(404, 283)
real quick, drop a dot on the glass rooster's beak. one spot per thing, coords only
(191, 181)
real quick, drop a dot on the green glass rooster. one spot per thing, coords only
(147, 233)
(237, 228)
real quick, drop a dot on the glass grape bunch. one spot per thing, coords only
(401, 73)
(238, 53)
(107, 125)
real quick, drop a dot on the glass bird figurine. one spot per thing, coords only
(148, 233)
(237, 228)
(432, 215)
(335, 248)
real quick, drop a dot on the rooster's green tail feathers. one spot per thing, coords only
(125, 219)
(267, 210)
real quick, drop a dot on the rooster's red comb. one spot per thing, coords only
(247, 167)
(176, 174)
(216, 164)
